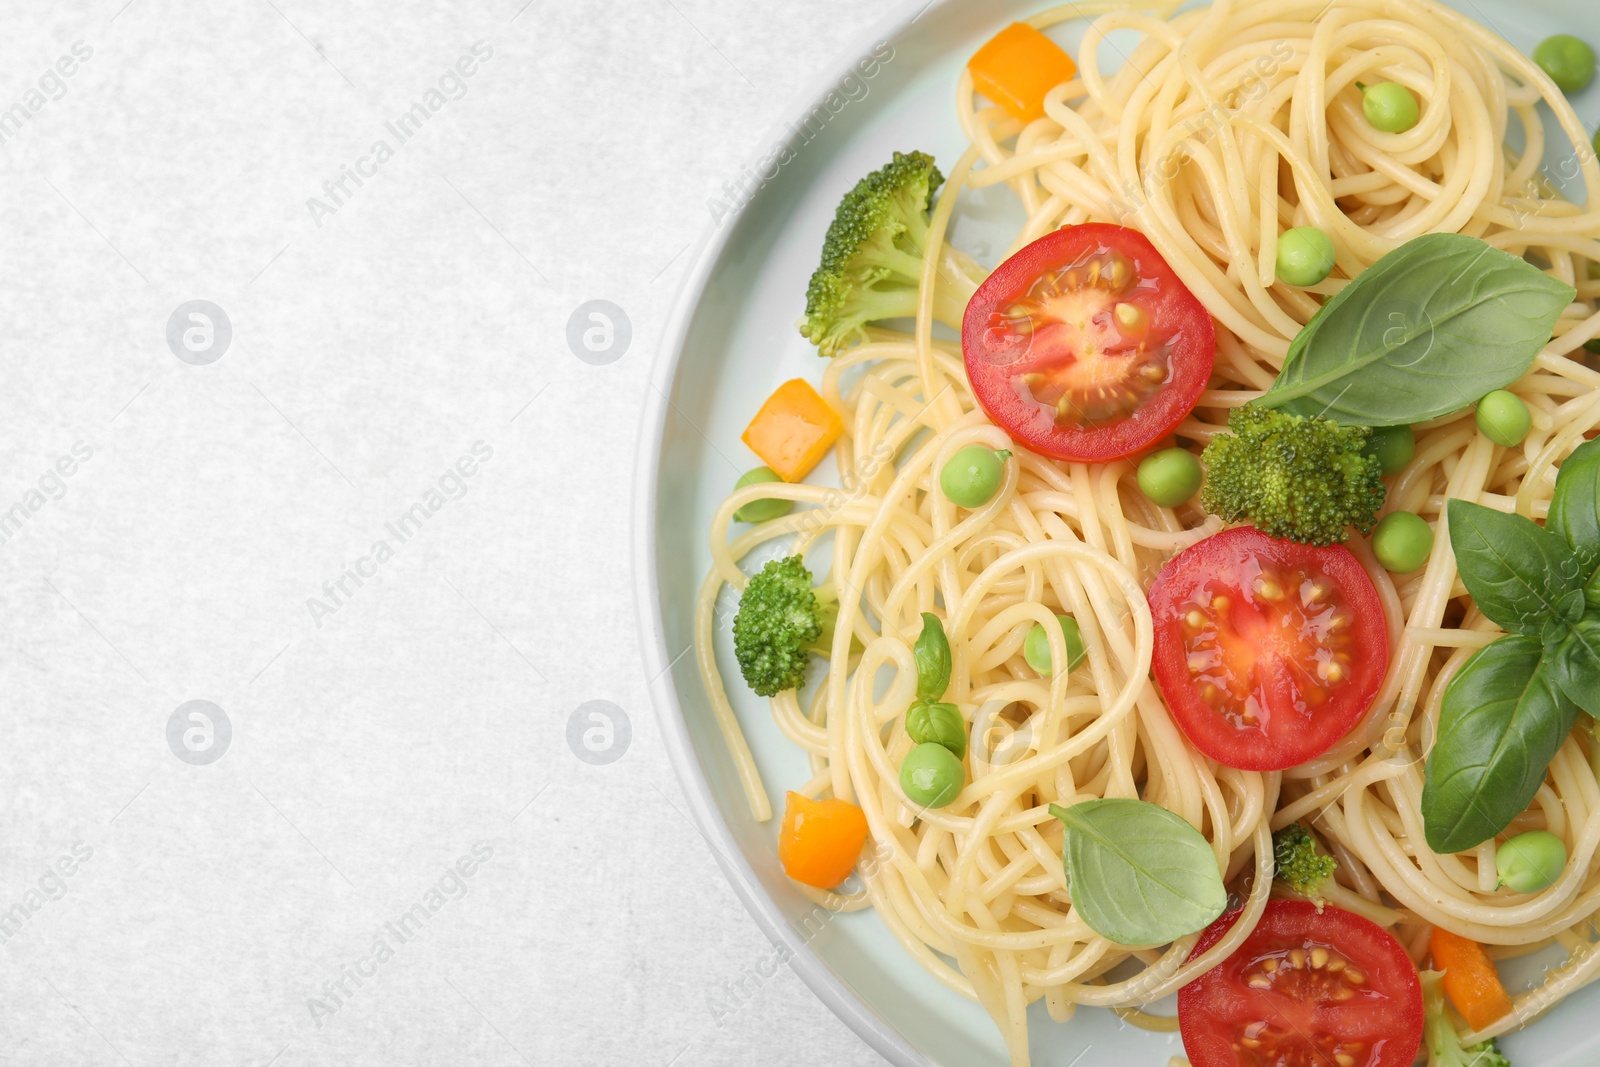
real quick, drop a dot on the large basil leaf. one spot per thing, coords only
(1575, 507)
(1575, 664)
(1138, 873)
(1425, 331)
(1520, 574)
(1500, 724)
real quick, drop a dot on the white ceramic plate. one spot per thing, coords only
(730, 342)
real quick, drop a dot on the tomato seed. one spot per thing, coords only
(1132, 321)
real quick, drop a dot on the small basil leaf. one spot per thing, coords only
(1516, 570)
(1575, 507)
(1575, 664)
(1138, 873)
(942, 724)
(1501, 721)
(1591, 592)
(932, 654)
(1569, 609)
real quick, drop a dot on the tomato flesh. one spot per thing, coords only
(1307, 988)
(1266, 651)
(1086, 346)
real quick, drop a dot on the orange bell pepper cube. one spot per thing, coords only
(1470, 979)
(793, 430)
(1018, 67)
(820, 840)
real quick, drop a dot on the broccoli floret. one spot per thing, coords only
(1444, 1044)
(1294, 853)
(782, 622)
(872, 258)
(1305, 478)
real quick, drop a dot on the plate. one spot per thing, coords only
(730, 341)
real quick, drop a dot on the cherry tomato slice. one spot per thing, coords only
(1307, 988)
(1266, 651)
(1086, 346)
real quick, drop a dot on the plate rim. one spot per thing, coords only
(709, 819)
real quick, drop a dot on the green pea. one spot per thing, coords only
(1504, 418)
(932, 656)
(940, 724)
(1389, 106)
(1169, 477)
(972, 475)
(1305, 256)
(1394, 446)
(761, 510)
(931, 775)
(1402, 542)
(1036, 646)
(1568, 61)
(1529, 862)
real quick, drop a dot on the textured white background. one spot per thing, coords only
(429, 711)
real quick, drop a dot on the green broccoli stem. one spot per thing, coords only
(957, 276)
(828, 614)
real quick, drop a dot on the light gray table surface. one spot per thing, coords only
(371, 507)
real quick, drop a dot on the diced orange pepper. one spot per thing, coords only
(1017, 67)
(793, 430)
(1470, 979)
(820, 840)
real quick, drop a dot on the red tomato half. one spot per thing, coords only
(1306, 989)
(1266, 651)
(1086, 346)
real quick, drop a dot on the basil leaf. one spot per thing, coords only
(1569, 609)
(1575, 664)
(1138, 873)
(1575, 507)
(1501, 721)
(1425, 331)
(1516, 570)
(943, 724)
(932, 655)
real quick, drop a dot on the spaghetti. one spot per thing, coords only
(1223, 127)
